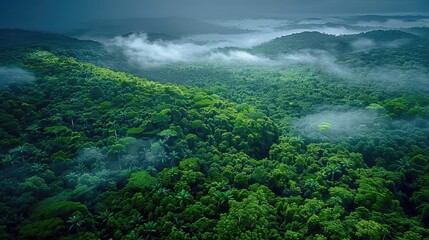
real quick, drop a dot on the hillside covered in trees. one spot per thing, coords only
(308, 135)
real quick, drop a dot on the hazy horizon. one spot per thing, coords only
(60, 16)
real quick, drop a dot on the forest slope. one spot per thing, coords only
(90, 153)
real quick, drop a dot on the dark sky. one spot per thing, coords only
(60, 14)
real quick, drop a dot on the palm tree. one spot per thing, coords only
(7, 159)
(104, 216)
(133, 235)
(160, 190)
(114, 126)
(331, 169)
(151, 170)
(150, 228)
(187, 152)
(80, 168)
(163, 157)
(76, 221)
(38, 167)
(346, 163)
(117, 149)
(70, 115)
(402, 164)
(174, 156)
(72, 177)
(131, 161)
(222, 185)
(223, 198)
(21, 150)
(184, 197)
(136, 219)
(180, 223)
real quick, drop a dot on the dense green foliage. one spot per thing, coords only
(83, 50)
(230, 152)
(374, 48)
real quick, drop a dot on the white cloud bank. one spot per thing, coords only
(205, 47)
(151, 54)
(145, 53)
(394, 23)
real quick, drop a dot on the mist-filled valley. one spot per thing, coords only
(272, 127)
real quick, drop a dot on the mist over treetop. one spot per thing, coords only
(201, 119)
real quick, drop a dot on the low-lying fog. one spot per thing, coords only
(237, 49)
(13, 74)
(233, 48)
(216, 47)
(336, 123)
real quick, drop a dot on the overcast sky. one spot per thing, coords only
(58, 14)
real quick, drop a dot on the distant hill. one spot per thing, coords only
(382, 35)
(300, 41)
(373, 48)
(363, 19)
(331, 43)
(10, 38)
(316, 26)
(83, 50)
(389, 48)
(422, 32)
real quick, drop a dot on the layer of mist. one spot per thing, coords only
(394, 23)
(320, 58)
(393, 78)
(214, 46)
(336, 124)
(14, 75)
(146, 53)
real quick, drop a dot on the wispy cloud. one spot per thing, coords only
(149, 54)
(264, 30)
(363, 44)
(323, 59)
(336, 124)
(395, 23)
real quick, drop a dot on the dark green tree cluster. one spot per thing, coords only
(69, 133)
(89, 153)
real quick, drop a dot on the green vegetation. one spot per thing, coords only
(213, 151)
